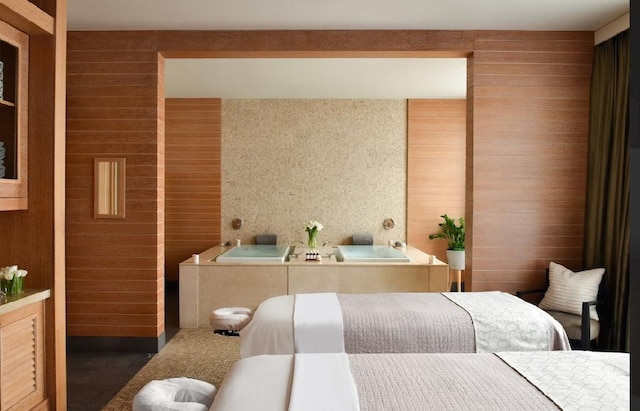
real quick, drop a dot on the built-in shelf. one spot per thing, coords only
(14, 45)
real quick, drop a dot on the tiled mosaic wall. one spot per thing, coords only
(341, 162)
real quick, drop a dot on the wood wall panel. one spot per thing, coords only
(318, 43)
(112, 111)
(192, 180)
(529, 132)
(525, 117)
(436, 138)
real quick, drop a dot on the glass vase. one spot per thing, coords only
(12, 287)
(312, 243)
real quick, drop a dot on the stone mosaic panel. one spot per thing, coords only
(340, 162)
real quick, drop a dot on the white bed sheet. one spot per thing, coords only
(270, 331)
(315, 375)
(262, 382)
(317, 323)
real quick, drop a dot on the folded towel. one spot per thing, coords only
(266, 239)
(362, 239)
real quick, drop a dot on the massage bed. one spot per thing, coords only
(490, 321)
(537, 380)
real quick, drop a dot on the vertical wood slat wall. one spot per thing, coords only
(192, 180)
(529, 131)
(115, 268)
(436, 141)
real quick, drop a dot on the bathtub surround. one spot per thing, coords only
(343, 162)
(214, 284)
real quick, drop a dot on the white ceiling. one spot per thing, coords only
(332, 78)
(359, 78)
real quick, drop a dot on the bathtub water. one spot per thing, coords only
(253, 253)
(370, 254)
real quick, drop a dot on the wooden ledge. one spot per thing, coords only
(26, 17)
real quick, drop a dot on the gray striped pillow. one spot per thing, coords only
(567, 290)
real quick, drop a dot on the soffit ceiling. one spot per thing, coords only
(332, 78)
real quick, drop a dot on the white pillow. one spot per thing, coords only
(174, 394)
(568, 290)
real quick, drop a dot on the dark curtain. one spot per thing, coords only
(607, 209)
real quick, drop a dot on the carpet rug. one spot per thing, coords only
(194, 353)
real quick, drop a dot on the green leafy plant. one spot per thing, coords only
(454, 234)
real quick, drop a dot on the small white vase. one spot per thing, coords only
(455, 259)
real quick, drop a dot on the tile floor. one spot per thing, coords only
(94, 378)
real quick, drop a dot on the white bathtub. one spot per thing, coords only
(253, 253)
(370, 254)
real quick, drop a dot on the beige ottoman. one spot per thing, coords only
(229, 320)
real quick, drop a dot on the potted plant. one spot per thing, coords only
(455, 236)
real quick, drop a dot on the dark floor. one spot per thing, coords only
(94, 378)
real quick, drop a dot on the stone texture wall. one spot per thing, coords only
(341, 162)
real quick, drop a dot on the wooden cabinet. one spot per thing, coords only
(22, 364)
(35, 31)
(14, 51)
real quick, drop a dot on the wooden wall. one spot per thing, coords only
(115, 267)
(192, 180)
(34, 238)
(526, 147)
(436, 143)
(527, 139)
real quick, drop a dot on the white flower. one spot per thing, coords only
(21, 273)
(313, 225)
(7, 273)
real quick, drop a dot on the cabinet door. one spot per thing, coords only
(14, 53)
(22, 358)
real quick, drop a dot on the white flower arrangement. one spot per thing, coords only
(11, 279)
(9, 272)
(312, 228)
(313, 225)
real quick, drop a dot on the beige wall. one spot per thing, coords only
(341, 162)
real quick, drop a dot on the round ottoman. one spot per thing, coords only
(230, 320)
(175, 394)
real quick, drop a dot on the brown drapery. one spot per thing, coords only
(606, 237)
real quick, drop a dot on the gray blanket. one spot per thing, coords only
(491, 321)
(442, 382)
(404, 323)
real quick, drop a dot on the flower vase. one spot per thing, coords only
(12, 287)
(313, 240)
